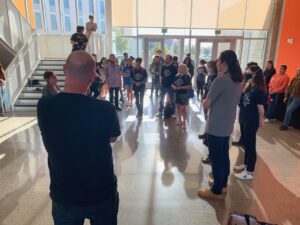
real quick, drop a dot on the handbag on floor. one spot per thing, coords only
(244, 219)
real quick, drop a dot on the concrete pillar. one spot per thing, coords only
(108, 33)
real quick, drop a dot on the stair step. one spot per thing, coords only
(25, 101)
(25, 107)
(32, 94)
(41, 78)
(49, 67)
(52, 62)
(41, 72)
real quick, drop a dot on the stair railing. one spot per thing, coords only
(19, 35)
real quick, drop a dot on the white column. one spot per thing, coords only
(108, 32)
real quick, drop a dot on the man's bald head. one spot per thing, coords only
(79, 70)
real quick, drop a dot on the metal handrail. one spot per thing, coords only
(16, 62)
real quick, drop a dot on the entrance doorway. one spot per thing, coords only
(208, 48)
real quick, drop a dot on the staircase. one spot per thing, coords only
(30, 95)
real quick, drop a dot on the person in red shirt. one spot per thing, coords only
(277, 87)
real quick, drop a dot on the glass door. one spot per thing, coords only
(210, 49)
(151, 47)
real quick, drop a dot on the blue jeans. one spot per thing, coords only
(218, 148)
(163, 93)
(293, 104)
(155, 85)
(273, 106)
(102, 214)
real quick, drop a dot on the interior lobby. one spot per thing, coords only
(158, 165)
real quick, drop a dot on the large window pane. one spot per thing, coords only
(178, 13)
(253, 50)
(69, 18)
(205, 13)
(150, 13)
(39, 22)
(4, 25)
(124, 13)
(15, 26)
(232, 14)
(172, 47)
(258, 17)
(84, 9)
(52, 16)
(100, 16)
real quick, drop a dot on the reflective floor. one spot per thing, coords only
(159, 171)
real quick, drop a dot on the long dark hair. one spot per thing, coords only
(101, 62)
(234, 68)
(189, 63)
(258, 80)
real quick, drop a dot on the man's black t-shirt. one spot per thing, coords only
(76, 132)
(81, 39)
(248, 105)
(139, 74)
(168, 74)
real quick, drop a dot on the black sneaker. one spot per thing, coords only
(118, 109)
(202, 136)
(282, 127)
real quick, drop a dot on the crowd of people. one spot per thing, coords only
(221, 88)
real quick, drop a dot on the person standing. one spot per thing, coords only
(167, 77)
(252, 117)
(113, 73)
(124, 61)
(269, 72)
(292, 98)
(139, 77)
(127, 80)
(182, 83)
(247, 78)
(90, 26)
(221, 101)
(155, 71)
(3, 94)
(277, 88)
(77, 131)
(212, 75)
(79, 40)
(187, 61)
(202, 72)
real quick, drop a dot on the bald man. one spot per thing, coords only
(77, 131)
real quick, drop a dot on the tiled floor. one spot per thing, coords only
(159, 171)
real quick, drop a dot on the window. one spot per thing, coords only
(53, 22)
(38, 20)
(36, 2)
(66, 4)
(52, 3)
(67, 24)
(91, 7)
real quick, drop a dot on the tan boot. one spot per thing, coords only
(206, 193)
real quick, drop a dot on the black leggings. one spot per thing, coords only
(200, 87)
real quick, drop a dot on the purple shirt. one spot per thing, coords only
(113, 74)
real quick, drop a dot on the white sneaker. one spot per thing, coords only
(244, 175)
(267, 121)
(239, 167)
(173, 116)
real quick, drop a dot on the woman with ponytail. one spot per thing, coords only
(252, 117)
(221, 101)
